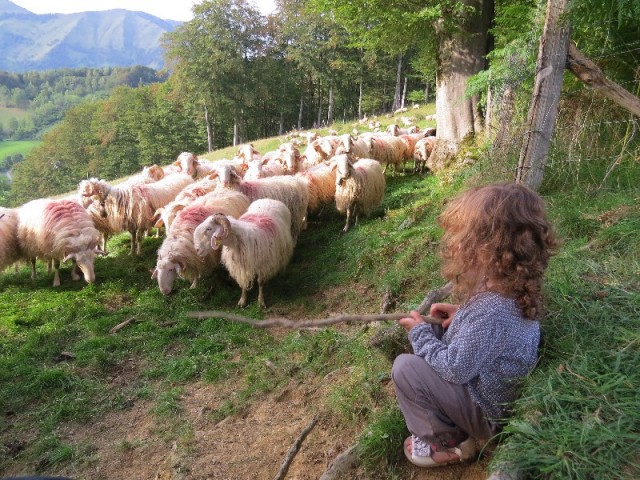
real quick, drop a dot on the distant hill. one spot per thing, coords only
(112, 38)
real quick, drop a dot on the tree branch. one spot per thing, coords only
(590, 73)
(434, 295)
(293, 450)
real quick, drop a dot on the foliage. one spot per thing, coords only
(49, 94)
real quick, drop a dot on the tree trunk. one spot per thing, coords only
(209, 129)
(503, 136)
(426, 92)
(398, 92)
(404, 93)
(235, 132)
(589, 73)
(300, 111)
(552, 57)
(330, 108)
(460, 55)
(319, 121)
(360, 96)
(281, 129)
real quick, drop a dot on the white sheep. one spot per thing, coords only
(421, 154)
(386, 149)
(177, 255)
(256, 246)
(290, 190)
(58, 230)
(263, 168)
(359, 187)
(9, 246)
(356, 147)
(321, 184)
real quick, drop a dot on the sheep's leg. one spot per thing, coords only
(49, 262)
(56, 275)
(33, 269)
(75, 275)
(261, 295)
(356, 214)
(139, 238)
(194, 283)
(243, 298)
(133, 241)
(346, 225)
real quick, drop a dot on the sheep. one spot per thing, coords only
(58, 230)
(410, 142)
(386, 149)
(421, 154)
(319, 150)
(263, 168)
(290, 190)
(9, 246)
(355, 147)
(394, 130)
(164, 216)
(321, 184)
(290, 158)
(177, 255)
(256, 246)
(132, 207)
(247, 153)
(359, 187)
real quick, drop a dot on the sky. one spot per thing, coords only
(165, 9)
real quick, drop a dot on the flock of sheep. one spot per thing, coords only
(245, 213)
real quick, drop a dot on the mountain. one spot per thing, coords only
(111, 38)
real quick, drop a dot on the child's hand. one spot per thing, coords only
(446, 311)
(409, 322)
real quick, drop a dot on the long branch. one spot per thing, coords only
(433, 296)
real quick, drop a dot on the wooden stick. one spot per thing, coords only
(120, 326)
(323, 322)
(293, 450)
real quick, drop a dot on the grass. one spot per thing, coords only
(11, 147)
(578, 414)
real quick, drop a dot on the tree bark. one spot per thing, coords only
(360, 95)
(300, 110)
(398, 91)
(330, 107)
(404, 92)
(552, 57)
(426, 92)
(281, 128)
(209, 129)
(459, 56)
(505, 114)
(590, 73)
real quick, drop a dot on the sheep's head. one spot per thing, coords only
(84, 260)
(154, 172)
(165, 272)
(210, 234)
(343, 168)
(226, 175)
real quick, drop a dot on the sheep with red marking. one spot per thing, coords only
(290, 190)
(255, 247)
(58, 230)
(359, 187)
(177, 255)
(164, 216)
(9, 246)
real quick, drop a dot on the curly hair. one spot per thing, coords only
(497, 238)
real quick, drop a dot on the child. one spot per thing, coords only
(495, 248)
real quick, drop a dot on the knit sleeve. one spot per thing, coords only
(467, 350)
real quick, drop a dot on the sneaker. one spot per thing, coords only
(420, 453)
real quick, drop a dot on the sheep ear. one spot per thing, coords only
(176, 163)
(154, 273)
(159, 223)
(213, 175)
(266, 160)
(179, 268)
(69, 257)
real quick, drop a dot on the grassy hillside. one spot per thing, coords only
(11, 147)
(171, 396)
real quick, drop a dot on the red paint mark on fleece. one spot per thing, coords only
(57, 211)
(193, 216)
(261, 221)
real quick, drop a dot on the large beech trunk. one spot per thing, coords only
(461, 54)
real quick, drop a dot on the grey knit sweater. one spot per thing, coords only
(488, 346)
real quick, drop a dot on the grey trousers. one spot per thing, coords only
(438, 412)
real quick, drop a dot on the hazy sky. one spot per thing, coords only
(165, 9)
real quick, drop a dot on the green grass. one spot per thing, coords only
(578, 415)
(11, 147)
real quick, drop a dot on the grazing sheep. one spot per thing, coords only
(58, 230)
(177, 255)
(421, 154)
(9, 247)
(290, 190)
(256, 246)
(387, 149)
(394, 130)
(359, 187)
